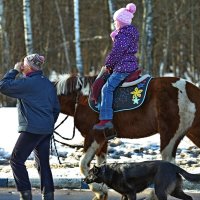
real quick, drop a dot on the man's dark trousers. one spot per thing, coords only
(40, 145)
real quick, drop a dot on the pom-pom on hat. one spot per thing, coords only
(125, 15)
(34, 60)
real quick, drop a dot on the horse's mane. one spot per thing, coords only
(68, 83)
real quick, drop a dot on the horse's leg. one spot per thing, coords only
(101, 156)
(175, 119)
(100, 190)
(170, 139)
(169, 147)
(194, 135)
(171, 133)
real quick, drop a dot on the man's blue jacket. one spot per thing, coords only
(38, 106)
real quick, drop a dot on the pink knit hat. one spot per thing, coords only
(125, 15)
(34, 60)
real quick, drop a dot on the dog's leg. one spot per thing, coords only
(181, 195)
(131, 196)
(152, 196)
(178, 191)
(160, 194)
(100, 191)
(124, 197)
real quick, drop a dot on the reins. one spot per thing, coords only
(54, 140)
(60, 134)
(64, 138)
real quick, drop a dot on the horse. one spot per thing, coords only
(171, 108)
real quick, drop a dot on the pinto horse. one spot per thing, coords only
(171, 108)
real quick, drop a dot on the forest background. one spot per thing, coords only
(74, 35)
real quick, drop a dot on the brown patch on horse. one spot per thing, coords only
(67, 104)
(193, 132)
(83, 100)
(167, 109)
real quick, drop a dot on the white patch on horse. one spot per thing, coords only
(87, 157)
(86, 90)
(186, 113)
(61, 84)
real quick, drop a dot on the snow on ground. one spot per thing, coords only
(120, 150)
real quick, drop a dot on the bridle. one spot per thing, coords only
(79, 85)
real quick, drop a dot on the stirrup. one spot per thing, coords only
(109, 133)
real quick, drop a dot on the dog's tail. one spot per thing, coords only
(188, 176)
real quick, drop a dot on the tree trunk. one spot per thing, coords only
(149, 35)
(166, 44)
(64, 38)
(79, 63)
(111, 7)
(4, 41)
(27, 27)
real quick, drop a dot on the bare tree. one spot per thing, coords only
(63, 37)
(27, 27)
(112, 9)
(169, 31)
(147, 36)
(5, 49)
(4, 40)
(79, 63)
(191, 70)
(166, 42)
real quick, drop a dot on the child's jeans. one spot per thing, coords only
(106, 111)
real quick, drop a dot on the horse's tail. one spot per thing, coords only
(188, 176)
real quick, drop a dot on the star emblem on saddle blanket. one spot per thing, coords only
(135, 100)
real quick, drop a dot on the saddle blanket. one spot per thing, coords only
(125, 98)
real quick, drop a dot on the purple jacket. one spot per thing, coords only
(122, 56)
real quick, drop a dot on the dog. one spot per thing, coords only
(131, 178)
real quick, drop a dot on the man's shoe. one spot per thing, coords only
(26, 195)
(48, 196)
(103, 124)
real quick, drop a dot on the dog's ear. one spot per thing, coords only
(103, 163)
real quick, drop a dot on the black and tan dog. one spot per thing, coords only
(131, 178)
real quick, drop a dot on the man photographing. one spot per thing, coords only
(38, 110)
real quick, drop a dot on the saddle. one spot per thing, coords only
(129, 95)
(101, 80)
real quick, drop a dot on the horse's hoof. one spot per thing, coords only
(102, 197)
(105, 197)
(96, 198)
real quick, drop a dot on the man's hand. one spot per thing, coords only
(18, 66)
